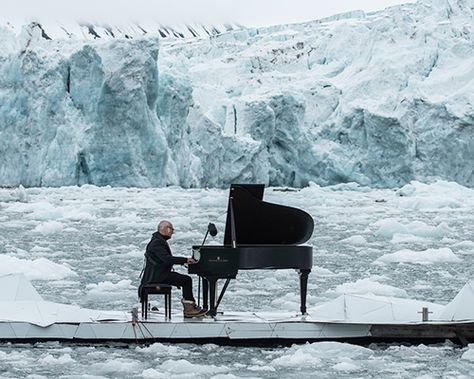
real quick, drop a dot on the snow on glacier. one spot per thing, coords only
(378, 99)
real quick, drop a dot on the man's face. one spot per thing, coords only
(168, 230)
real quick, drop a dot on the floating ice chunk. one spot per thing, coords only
(356, 240)
(20, 194)
(77, 214)
(312, 354)
(38, 269)
(466, 246)
(134, 252)
(428, 256)
(160, 349)
(429, 202)
(468, 355)
(124, 220)
(407, 238)
(366, 285)
(389, 227)
(61, 360)
(151, 373)
(49, 227)
(438, 195)
(349, 187)
(231, 376)
(286, 302)
(115, 365)
(261, 368)
(440, 187)
(45, 211)
(107, 288)
(40, 249)
(182, 366)
(299, 358)
(321, 271)
(347, 365)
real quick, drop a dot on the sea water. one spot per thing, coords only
(85, 245)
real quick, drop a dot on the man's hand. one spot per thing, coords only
(191, 261)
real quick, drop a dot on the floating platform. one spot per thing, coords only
(26, 317)
(236, 329)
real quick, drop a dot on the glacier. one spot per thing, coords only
(379, 99)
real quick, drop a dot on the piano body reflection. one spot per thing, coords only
(258, 235)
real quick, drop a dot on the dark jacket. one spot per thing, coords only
(159, 260)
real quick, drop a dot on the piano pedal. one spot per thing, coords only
(219, 313)
(153, 308)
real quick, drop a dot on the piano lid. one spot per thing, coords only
(260, 223)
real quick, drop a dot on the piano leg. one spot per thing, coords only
(205, 294)
(222, 292)
(303, 289)
(212, 296)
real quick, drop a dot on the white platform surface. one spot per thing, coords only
(24, 315)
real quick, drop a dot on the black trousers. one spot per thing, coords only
(180, 280)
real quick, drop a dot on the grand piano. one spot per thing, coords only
(258, 235)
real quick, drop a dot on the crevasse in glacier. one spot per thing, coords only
(379, 99)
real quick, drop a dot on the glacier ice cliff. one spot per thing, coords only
(380, 99)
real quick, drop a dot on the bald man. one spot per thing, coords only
(159, 265)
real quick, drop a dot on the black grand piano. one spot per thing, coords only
(258, 235)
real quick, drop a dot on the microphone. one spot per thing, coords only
(211, 228)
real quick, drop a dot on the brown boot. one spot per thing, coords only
(190, 309)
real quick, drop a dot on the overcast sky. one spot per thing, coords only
(246, 12)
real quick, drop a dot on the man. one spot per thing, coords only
(159, 265)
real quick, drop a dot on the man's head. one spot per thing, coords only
(165, 228)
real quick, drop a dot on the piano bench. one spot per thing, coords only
(156, 289)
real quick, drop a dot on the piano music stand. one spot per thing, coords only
(156, 289)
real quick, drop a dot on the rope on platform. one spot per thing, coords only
(151, 335)
(136, 322)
